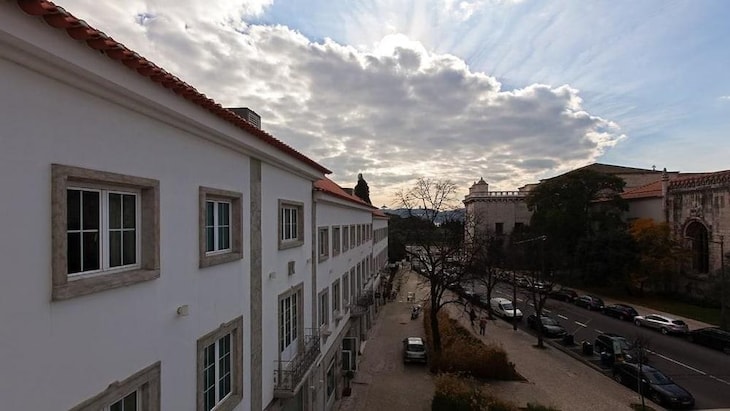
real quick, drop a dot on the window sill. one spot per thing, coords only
(283, 245)
(215, 259)
(102, 282)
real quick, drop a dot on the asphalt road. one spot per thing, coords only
(702, 371)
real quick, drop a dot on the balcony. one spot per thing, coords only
(290, 375)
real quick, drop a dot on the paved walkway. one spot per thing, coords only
(553, 377)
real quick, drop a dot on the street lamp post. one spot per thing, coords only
(514, 282)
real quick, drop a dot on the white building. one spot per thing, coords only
(159, 248)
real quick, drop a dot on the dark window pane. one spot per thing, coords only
(223, 213)
(210, 355)
(115, 249)
(223, 238)
(73, 258)
(73, 209)
(210, 399)
(129, 250)
(225, 386)
(209, 213)
(91, 251)
(117, 406)
(209, 239)
(115, 211)
(90, 204)
(130, 402)
(129, 209)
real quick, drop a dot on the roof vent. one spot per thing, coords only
(248, 115)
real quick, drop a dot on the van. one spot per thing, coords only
(503, 307)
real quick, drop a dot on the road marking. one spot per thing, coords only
(545, 310)
(581, 324)
(519, 300)
(598, 331)
(690, 368)
(562, 316)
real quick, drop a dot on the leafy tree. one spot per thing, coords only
(436, 250)
(659, 255)
(362, 190)
(606, 256)
(573, 207)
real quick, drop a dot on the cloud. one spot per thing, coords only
(725, 98)
(394, 111)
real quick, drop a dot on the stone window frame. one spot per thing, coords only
(207, 259)
(290, 243)
(323, 309)
(146, 381)
(323, 243)
(235, 328)
(345, 238)
(63, 176)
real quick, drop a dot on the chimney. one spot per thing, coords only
(248, 115)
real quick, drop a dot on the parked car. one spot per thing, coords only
(654, 384)
(551, 327)
(712, 337)
(607, 343)
(504, 308)
(666, 325)
(590, 302)
(564, 294)
(414, 350)
(621, 311)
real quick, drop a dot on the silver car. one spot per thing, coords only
(666, 325)
(414, 349)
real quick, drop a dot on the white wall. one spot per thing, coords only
(280, 185)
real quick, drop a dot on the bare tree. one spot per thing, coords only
(540, 283)
(435, 242)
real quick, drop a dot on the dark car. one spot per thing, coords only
(712, 337)
(551, 328)
(590, 302)
(621, 311)
(606, 344)
(564, 294)
(414, 349)
(655, 385)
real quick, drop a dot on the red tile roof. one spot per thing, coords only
(79, 30)
(330, 187)
(650, 190)
(703, 179)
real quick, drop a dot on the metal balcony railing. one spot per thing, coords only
(289, 375)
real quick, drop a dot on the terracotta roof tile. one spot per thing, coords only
(650, 190)
(330, 187)
(55, 16)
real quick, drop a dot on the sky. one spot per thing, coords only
(511, 91)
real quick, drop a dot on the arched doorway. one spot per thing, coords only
(697, 233)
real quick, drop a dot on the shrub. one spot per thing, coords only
(462, 352)
(457, 394)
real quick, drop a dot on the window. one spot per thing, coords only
(499, 228)
(324, 309)
(219, 363)
(353, 286)
(345, 238)
(220, 233)
(289, 323)
(324, 243)
(346, 290)
(353, 234)
(105, 231)
(336, 241)
(140, 392)
(336, 295)
(291, 224)
(331, 379)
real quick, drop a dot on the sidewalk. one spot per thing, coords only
(553, 377)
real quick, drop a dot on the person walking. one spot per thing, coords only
(482, 325)
(472, 316)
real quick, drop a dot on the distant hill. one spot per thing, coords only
(451, 215)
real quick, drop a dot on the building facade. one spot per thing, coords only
(164, 251)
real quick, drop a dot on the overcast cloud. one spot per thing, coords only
(393, 111)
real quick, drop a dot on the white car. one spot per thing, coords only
(503, 307)
(666, 325)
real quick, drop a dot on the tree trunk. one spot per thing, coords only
(435, 332)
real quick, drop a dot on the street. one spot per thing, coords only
(702, 371)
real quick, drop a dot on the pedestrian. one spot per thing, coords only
(482, 325)
(472, 316)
